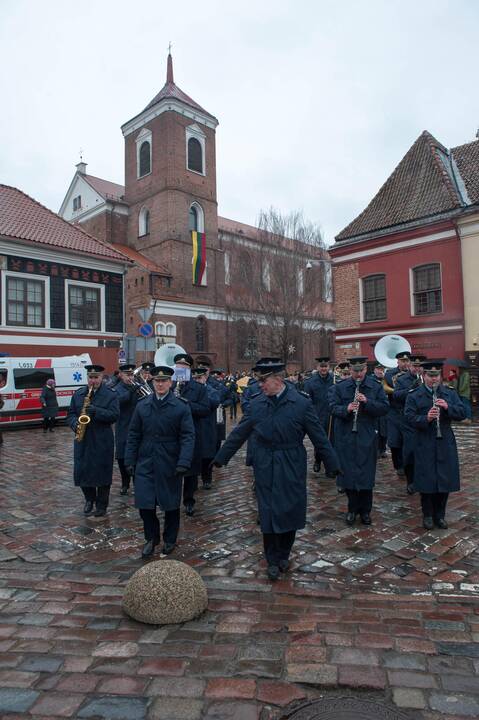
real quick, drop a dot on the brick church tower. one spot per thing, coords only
(170, 188)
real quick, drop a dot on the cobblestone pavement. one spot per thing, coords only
(389, 610)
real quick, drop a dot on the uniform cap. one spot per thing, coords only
(403, 355)
(161, 372)
(269, 366)
(358, 363)
(147, 366)
(323, 360)
(417, 359)
(199, 371)
(217, 371)
(184, 358)
(433, 367)
(94, 368)
(126, 367)
(343, 365)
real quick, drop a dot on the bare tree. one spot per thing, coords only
(281, 282)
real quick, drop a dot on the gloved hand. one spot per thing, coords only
(180, 470)
(215, 463)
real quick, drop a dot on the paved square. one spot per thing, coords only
(390, 609)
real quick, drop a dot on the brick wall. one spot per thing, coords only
(346, 295)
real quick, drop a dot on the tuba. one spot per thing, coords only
(141, 386)
(385, 352)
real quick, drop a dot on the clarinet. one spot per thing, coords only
(354, 429)
(438, 419)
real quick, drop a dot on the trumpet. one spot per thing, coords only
(140, 384)
(83, 419)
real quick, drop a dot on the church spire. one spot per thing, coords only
(169, 67)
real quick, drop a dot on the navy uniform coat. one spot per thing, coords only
(357, 452)
(436, 466)
(395, 411)
(225, 400)
(208, 425)
(128, 398)
(279, 456)
(406, 382)
(93, 457)
(197, 397)
(382, 422)
(250, 391)
(317, 389)
(160, 439)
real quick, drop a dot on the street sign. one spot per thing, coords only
(121, 356)
(144, 345)
(145, 330)
(144, 313)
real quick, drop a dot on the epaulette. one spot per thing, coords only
(185, 400)
(414, 389)
(305, 394)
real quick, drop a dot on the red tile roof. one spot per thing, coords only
(467, 160)
(422, 185)
(140, 259)
(23, 218)
(237, 228)
(105, 188)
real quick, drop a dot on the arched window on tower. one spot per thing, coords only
(197, 229)
(193, 218)
(201, 334)
(195, 155)
(145, 158)
(144, 222)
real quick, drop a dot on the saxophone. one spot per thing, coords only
(83, 419)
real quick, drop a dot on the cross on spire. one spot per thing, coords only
(169, 67)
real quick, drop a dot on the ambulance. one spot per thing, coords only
(22, 380)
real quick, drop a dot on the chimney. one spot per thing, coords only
(81, 167)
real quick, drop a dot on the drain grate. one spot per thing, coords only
(344, 708)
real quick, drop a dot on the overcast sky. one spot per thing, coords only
(317, 101)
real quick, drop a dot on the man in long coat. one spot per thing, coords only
(128, 398)
(159, 451)
(317, 388)
(93, 455)
(278, 419)
(382, 426)
(395, 411)
(208, 427)
(356, 404)
(408, 380)
(436, 465)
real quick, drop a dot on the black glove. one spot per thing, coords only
(180, 470)
(215, 463)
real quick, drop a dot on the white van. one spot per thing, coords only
(22, 380)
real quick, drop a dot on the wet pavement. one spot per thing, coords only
(390, 611)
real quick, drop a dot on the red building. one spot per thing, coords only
(397, 266)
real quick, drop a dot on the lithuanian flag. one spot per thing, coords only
(199, 257)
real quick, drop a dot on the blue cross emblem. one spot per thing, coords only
(77, 376)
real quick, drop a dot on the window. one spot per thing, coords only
(77, 203)
(246, 340)
(227, 268)
(25, 302)
(145, 158)
(84, 307)
(195, 155)
(32, 378)
(193, 219)
(427, 289)
(374, 298)
(144, 222)
(200, 333)
(266, 275)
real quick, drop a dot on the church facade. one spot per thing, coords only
(200, 275)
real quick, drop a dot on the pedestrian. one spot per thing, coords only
(429, 409)
(464, 392)
(49, 403)
(128, 397)
(317, 387)
(356, 404)
(98, 406)
(232, 388)
(278, 418)
(159, 451)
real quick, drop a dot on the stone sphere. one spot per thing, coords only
(165, 592)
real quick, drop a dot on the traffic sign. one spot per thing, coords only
(145, 330)
(121, 356)
(144, 313)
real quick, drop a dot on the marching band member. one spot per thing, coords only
(395, 411)
(429, 409)
(127, 397)
(215, 378)
(278, 418)
(407, 381)
(317, 387)
(159, 450)
(378, 375)
(145, 373)
(207, 425)
(93, 454)
(356, 404)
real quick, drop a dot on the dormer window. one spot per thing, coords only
(77, 203)
(143, 153)
(195, 149)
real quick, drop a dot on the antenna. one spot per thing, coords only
(81, 154)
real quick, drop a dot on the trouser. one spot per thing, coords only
(190, 486)
(396, 457)
(434, 505)
(382, 442)
(360, 502)
(151, 525)
(125, 477)
(206, 470)
(409, 471)
(97, 495)
(277, 546)
(233, 411)
(48, 423)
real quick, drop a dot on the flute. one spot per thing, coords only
(354, 429)
(438, 419)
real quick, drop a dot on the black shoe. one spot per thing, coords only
(341, 491)
(273, 572)
(316, 467)
(283, 565)
(124, 490)
(88, 507)
(148, 549)
(207, 485)
(410, 489)
(441, 523)
(427, 523)
(366, 519)
(350, 518)
(100, 512)
(383, 455)
(167, 548)
(189, 509)
(401, 472)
